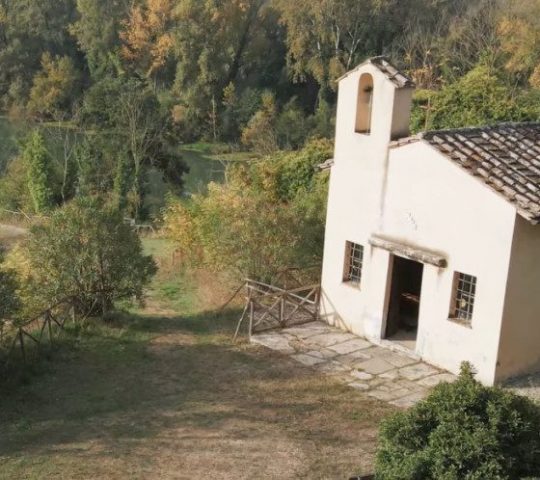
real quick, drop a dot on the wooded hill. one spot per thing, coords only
(132, 79)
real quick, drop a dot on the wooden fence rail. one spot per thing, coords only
(268, 306)
(42, 327)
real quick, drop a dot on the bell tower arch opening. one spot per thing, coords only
(364, 105)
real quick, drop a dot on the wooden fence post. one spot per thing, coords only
(316, 313)
(21, 341)
(48, 320)
(282, 311)
(250, 318)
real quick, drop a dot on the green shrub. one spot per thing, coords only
(480, 97)
(9, 302)
(269, 216)
(462, 431)
(39, 170)
(85, 250)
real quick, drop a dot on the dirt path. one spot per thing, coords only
(11, 231)
(170, 397)
(9, 234)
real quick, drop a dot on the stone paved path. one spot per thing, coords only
(380, 372)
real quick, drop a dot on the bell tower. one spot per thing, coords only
(374, 105)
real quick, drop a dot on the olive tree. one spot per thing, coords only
(87, 252)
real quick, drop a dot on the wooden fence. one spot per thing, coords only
(42, 328)
(268, 306)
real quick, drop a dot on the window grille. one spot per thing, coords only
(463, 299)
(354, 258)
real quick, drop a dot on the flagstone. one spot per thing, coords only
(417, 371)
(361, 375)
(388, 375)
(375, 366)
(398, 360)
(332, 367)
(308, 360)
(274, 342)
(359, 385)
(323, 353)
(327, 339)
(434, 380)
(409, 400)
(309, 330)
(354, 358)
(388, 395)
(350, 346)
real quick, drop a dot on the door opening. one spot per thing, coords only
(404, 304)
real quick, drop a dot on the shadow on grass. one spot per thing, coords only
(143, 375)
(206, 322)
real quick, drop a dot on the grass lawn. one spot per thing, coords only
(162, 392)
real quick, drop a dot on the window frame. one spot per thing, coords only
(353, 265)
(464, 287)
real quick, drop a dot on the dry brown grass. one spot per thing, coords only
(168, 396)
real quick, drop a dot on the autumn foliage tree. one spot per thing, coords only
(54, 86)
(268, 217)
(519, 31)
(147, 38)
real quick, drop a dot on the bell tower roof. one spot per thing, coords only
(396, 76)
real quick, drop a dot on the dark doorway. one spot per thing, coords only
(404, 305)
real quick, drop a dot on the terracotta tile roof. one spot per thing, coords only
(506, 157)
(400, 79)
(397, 77)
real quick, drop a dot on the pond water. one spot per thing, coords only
(203, 169)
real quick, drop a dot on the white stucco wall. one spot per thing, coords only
(519, 349)
(414, 195)
(356, 183)
(434, 204)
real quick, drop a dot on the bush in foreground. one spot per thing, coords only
(85, 251)
(462, 431)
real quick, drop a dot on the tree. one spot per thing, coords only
(39, 172)
(443, 40)
(268, 217)
(260, 132)
(130, 124)
(54, 87)
(93, 171)
(462, 431)
(245, 48)
(28, 29)
(147, 38)
(519, 31)
(325, 38)
(86, 251)
(97, 33)
(478, 98)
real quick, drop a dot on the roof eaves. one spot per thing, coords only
(400, 142)
(436, 139)
(382, 63)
